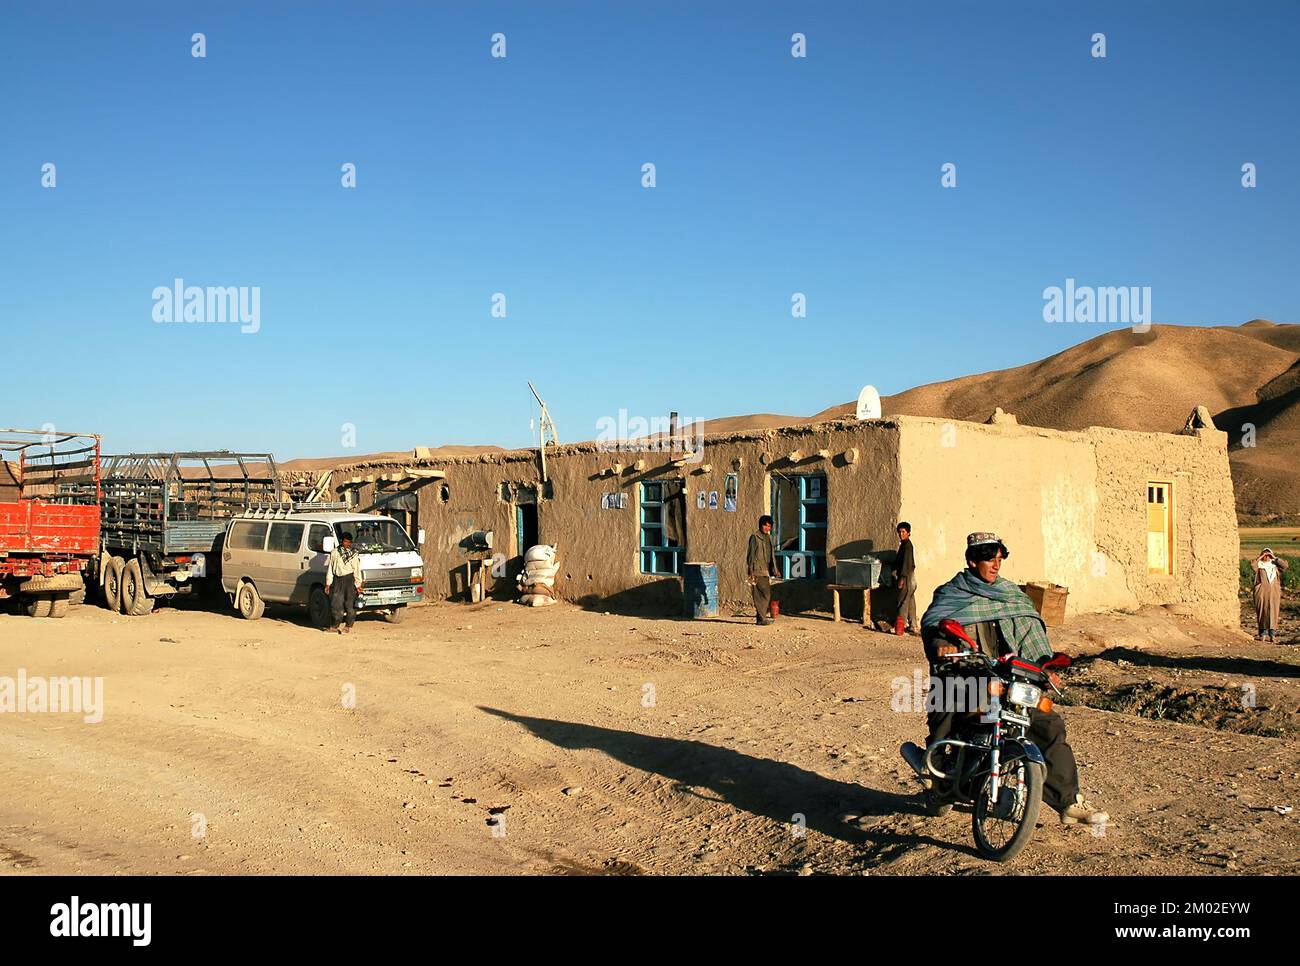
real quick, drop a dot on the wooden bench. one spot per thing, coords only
(866, 601)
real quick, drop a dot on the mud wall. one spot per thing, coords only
(599, 549)
(1206, 544)
(1071, 505)
(1072, 508)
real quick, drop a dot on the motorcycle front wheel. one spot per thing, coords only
(1003, 829)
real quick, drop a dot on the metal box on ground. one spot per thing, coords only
(858, 571)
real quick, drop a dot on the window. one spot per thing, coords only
(799, 536)
(285, 537)
(248, 536)
(1160, 528)
(663, 527)
(316, 537)
(375, 535)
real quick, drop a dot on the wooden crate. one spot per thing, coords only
(1049, 600)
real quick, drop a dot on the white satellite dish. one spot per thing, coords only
(868, 403)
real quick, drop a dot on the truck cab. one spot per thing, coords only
(279, 554)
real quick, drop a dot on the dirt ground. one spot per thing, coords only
(494, 738)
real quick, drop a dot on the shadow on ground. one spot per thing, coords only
(1219, 665)
(773, 789)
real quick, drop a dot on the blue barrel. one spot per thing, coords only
(700, 589)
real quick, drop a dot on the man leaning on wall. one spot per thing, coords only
(760, 564)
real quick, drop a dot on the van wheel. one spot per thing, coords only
(39, 606)
(396, 615)
(249, 601)
(318, 607)
(113, 584)
(135, 601)
(59, 607)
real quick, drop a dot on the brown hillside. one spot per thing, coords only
(1248, 374)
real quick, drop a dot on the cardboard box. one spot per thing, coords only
(1049, 600)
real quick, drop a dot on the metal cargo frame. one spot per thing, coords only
(170, 503)
(48, 527)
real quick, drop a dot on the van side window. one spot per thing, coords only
(316, 537)
(285, 538)
(248, 536)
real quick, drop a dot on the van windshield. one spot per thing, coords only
(375, 536)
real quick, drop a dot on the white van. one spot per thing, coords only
(278, 555)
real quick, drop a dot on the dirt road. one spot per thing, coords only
(500, 739)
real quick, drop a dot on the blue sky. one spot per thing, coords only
(522, 175)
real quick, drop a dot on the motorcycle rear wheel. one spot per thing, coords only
(1003, 830)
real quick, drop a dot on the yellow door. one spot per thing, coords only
(1159, 529)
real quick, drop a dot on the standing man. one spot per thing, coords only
(761, 566)
(343, 583)
(1267, 593)
(905, 569)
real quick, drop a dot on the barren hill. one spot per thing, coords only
(1247, 375)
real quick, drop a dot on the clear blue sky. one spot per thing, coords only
(523, 176)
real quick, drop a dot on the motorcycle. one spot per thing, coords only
(988, 761)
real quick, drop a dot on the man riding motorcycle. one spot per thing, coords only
(1002, 620)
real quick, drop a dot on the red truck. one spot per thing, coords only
(49, 517)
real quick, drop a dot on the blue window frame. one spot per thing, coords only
(659, 555)
(799, 509)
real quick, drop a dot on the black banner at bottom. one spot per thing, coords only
(335, 915)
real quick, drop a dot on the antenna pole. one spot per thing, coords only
(545, 425)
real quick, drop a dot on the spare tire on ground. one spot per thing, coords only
(53, 584)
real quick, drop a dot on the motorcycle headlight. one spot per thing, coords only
(1024, 694)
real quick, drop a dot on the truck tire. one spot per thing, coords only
(249, 602)
(53, 584)
(78, 596)
(39, 606)
(135, 599)
(113, 584)
(396, 615)
(59, 606)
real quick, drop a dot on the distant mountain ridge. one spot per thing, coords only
(1247, 375)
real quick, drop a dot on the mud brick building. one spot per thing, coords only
(1123, 519)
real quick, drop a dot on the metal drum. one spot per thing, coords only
(700, 589)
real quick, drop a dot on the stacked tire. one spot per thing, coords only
(537, 582)
(50, 596)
